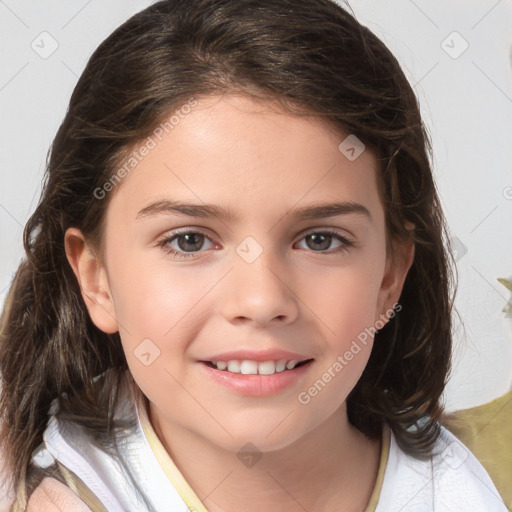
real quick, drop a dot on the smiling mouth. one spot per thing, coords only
(247, 367)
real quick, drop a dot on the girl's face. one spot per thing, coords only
(247, 268)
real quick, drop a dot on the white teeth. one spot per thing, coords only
(267, 368)
(234, 366)
(281, 365)
(290, 365)
(247, 367)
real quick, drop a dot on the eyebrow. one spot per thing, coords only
(314, 211)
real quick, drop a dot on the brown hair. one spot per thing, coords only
(313, 57)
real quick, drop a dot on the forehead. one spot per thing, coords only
(250, 157)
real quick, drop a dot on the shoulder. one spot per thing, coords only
(53, 496)
(450, 479)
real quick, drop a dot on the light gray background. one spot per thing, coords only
(466, 101)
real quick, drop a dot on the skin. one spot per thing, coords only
(261, 163)
(52, 496)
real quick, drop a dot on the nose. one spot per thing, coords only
(259, 292)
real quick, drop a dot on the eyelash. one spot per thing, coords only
(346, 243)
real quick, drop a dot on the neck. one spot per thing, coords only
(334, 467)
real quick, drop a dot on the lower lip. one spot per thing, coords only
(257, 385)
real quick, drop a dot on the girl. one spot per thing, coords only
(237, 294)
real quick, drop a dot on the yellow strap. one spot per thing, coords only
(74, 483)
(384, 454)
(20, 504)
(81, 490)
(173, 473)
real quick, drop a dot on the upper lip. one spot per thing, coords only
(260, 356)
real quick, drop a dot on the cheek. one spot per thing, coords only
(345, 301)
(166, 305)
(348, 331)
(151, 298)
(156, 308)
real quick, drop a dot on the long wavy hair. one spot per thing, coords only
(314, 58)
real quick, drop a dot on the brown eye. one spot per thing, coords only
(320, 241)
(186, 244)
(190, 242)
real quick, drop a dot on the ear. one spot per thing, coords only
(92, 280)
(397, 267)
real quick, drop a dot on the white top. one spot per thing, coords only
(146, 479)
(451, 481)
